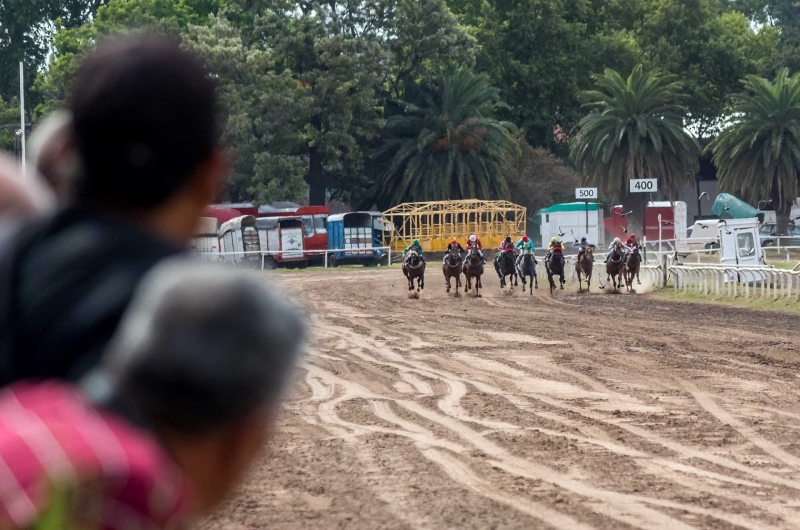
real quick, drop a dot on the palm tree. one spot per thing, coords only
(445, 144)
(759, 152)
(636, 130)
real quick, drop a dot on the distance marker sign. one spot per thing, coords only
(644, 185)
(586, 194)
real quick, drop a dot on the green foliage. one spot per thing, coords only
(446, 144)
(635, 130)
(759, 152)
(258, 103)
(538, 179)
(9, 124)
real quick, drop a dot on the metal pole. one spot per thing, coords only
(587, 219)
(22, 113)
(644, 226)
(659, 234)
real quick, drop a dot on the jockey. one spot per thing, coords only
(526, 245)
(416, 247)
(453, 246)
(476, 242)
(506, 246)
(632, 241)
(554, 244)
(617, 241)
(582, 245)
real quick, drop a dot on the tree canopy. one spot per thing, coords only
(314, 91)
(758, 155)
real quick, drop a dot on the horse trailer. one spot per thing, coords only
(281, 240)
(205, 242)
(352, 239)
(239, 242)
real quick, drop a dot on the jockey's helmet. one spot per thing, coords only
(632, 235)
(583, 240)
(554, 240)
(617, 240)
(525, 238)
(454, 242)
(508, 239)
(473, 238)
(415, 242)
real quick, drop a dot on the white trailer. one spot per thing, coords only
(567, 222)
(282, 239)
(239, 241)
(205, 242)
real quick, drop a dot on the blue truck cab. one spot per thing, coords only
(353, 238)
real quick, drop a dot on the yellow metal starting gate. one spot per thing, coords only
(435, 224)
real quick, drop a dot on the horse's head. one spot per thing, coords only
(474, 254)
(589, 253)
(413, 258)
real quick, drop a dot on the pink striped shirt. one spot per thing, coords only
(62, 460)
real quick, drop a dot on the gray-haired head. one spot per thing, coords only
(200, 348)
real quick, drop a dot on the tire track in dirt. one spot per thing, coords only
(617, 432)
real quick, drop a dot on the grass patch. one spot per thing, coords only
(673, 295)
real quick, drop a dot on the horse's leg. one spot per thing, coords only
(637, 277)
(580, 282)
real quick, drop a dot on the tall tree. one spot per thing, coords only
(758, 154)
(446, 144)
(336, 63)
(257, 103)
(636, 129)
(710, 48)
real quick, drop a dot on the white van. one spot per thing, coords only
(703, 235)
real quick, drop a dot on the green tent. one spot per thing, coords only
(570, 207)
(726, 206)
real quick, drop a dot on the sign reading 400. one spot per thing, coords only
(644, 185)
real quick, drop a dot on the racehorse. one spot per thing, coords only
(452, 268)
(632, 263)
(473, 268)
(615, 266)
(554, 265)
(527, 267)
(414, 269)
(506, 266)
(584, 266)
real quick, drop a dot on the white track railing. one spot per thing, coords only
(746, 282)
(263, 254)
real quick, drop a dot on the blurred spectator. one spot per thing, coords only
(51, 151)
(175, 415)
(20, 198)
(145, 129)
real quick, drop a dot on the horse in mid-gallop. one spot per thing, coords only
(554, 265)
(452, 268)
(615, 266)
(527, 268)
(506, 266)
(473, 268)
(632, 264)
(414, 269)
(584, 266)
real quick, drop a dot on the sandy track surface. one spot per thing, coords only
(517, 411)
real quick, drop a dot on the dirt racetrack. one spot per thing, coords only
(512, 411)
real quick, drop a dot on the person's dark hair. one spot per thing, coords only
(200, 348)
(145, 118)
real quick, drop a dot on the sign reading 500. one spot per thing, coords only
(585, 193)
